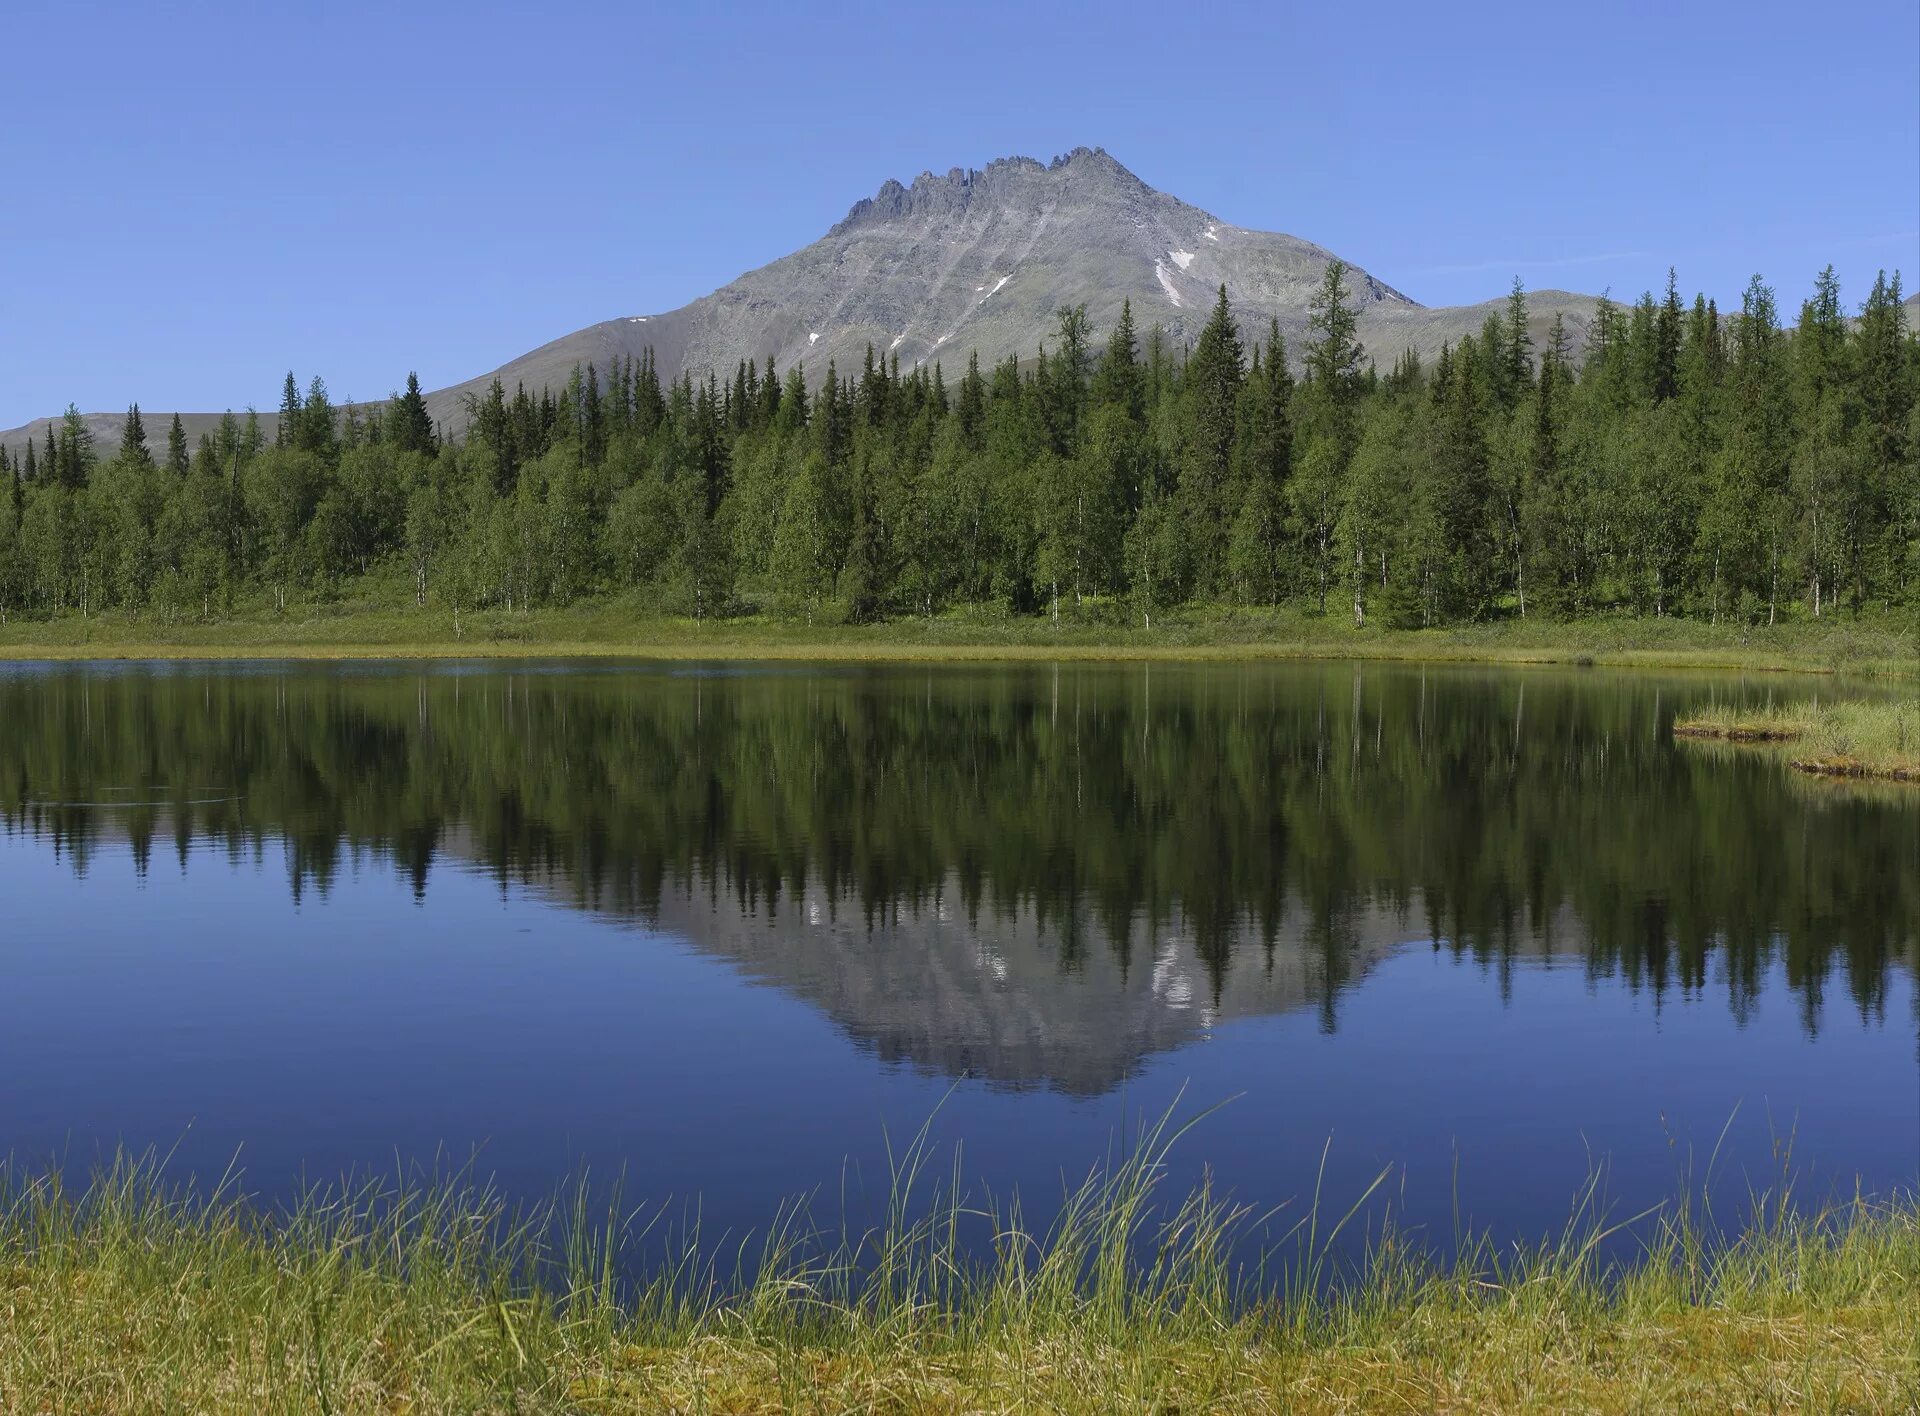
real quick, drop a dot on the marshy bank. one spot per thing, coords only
(1862, 738)
(131, 1296)
(374, 626)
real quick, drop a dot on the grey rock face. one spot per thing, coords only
(984, 260)
(999, 997)
(977, 260)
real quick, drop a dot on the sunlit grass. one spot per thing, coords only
(617, 626)
(1849, 738)
(133, 1296)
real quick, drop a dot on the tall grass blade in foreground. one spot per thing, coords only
(135, 1295)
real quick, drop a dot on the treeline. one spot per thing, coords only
(1499, 815)
(1720, 467)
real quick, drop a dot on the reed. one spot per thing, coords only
(131, 1295)
(1847, 738)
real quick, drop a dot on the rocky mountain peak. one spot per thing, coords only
(1084, 174)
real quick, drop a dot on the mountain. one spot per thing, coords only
(983, 260)
(1006, 997)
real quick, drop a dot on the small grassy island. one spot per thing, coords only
(1845, 739)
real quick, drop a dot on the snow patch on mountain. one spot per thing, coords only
(1166, 283)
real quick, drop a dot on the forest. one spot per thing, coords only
(1728, 467)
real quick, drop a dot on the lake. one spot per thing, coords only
(726, 931)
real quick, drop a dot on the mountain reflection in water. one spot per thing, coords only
(1039, 875)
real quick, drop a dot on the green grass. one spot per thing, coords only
(132, 1297)
(374, 627)
(1849, 738)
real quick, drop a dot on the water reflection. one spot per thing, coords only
(1040, 876)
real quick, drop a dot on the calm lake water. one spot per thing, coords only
(724, 929)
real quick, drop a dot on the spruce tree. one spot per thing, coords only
(1887, 379)
(1643, 352)
(1329, 427)
(1264, 458)
(832, 420)
(411, 428)
(1608, 366)
(795, 406)
(971, 408)
(1458, 565)
(1064, 399)
(649, 406)
(1212, 381)
(491, 438)
(861, 576)
(1517, 356)
(709, 445)
(1827, 475)
(1501, 394)
(1548, 570)
(1666, 358)
(1744, 522)
(593, 420)
(1118, 380)
(769, 409)
(177, 459)
(75, 458)
(314, 425)
(133, 441)
(287, 432)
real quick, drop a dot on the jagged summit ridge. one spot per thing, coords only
(957, 189)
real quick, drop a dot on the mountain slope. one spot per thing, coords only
(984, 260)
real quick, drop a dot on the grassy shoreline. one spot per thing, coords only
(616, 630)
(1878, 740)
(132, 1297)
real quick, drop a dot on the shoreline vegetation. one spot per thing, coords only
(1726, 471)
(614, 628)
(133, 1295)
(1846, 739)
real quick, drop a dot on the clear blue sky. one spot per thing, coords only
(199, 197)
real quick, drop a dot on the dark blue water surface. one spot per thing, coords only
(723, 932)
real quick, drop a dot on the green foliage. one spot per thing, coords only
(134, 452)
(177, 458)
(1211, 383)
(1733, 473)
(412, 427)
(72, 457)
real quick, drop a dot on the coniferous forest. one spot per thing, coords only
(1728, 466)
